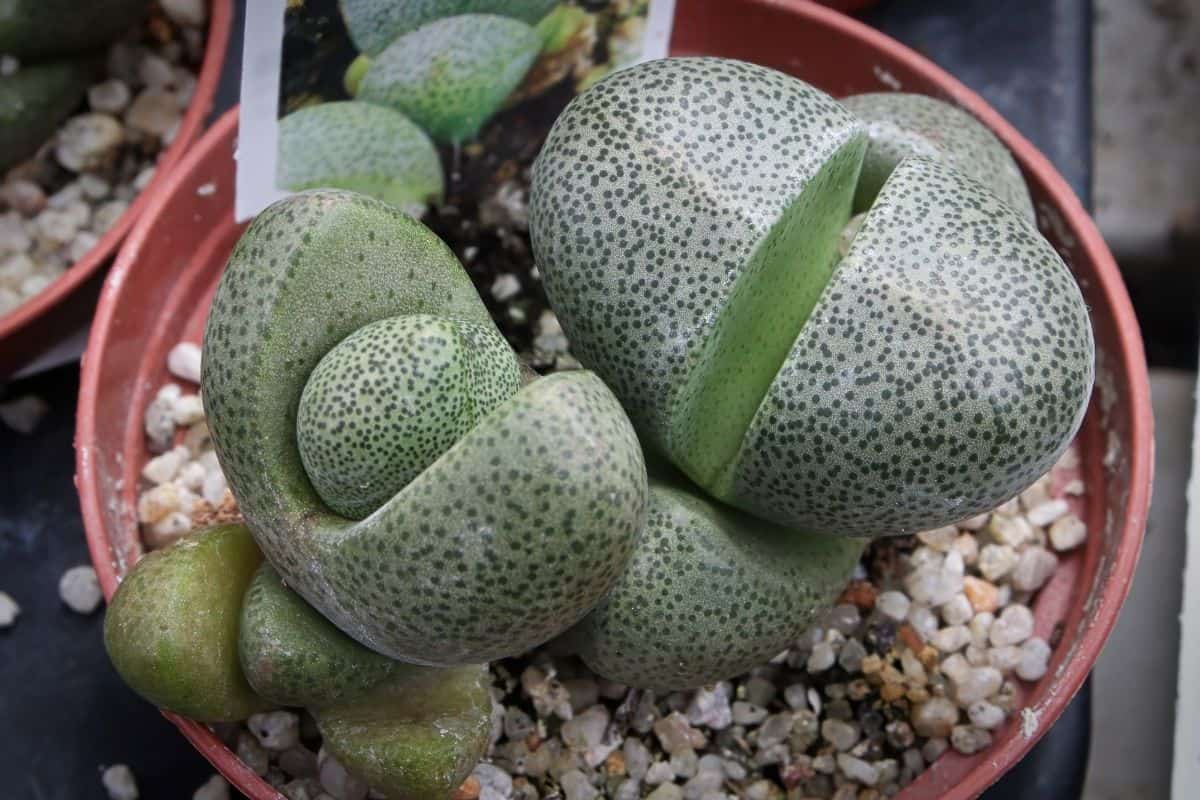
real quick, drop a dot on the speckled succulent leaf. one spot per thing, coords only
(947, 366)
(467, 562)
(451, 75)
(40, 28)
(390, 398)
(374, 24)
(902, 125)
(417, 736)
(710, 593)
(293, 656)
(171, 629)
(684, 214)
(34, 101)
(363, 148)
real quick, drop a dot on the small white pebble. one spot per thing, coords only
(1013, 626)
(1004, 658)
(839, 733)
(951, 639)
(857, 769)
(162, 468)
(1036, 494)
(1067, 533)
(940, 539)
(979, 626)
(934, 718)
(156, 503)
(214, 488)
(24, 413)
(996, 561)
(109, 97)
(9, 610)
(1074, 487)
(985, 715)
(1012, 531)
(1034, 567)
(977, 683)
(215, 788)
(923, 619)
(191, 476)
(81, 245)
(1042, 515)
(184, 361)
(79, 588)
(168, 530)
(9, 65)
(336, 780)
(957, 610)
(119, 782)
(189, 409)
(893, 605)
(975, 523)
(275, 730)
(206, 189)
(968, 547)
(1035, 656)
(968, 740)
(821, 658)
(505, 287)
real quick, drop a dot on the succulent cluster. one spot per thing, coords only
(56, 44)
(799, 383)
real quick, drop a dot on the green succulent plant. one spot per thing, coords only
(375, 24)
(41, 28)
(514, 488)
(902, 125)
(196, 629)
(171, 629)
(451, 75)
(709, 593)
(686, 217)
(363, 148)
(34, 101)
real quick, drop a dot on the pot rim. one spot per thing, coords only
(1125, 544)
(191, 125)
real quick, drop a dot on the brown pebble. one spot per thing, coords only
(615, 763)
(468, 791)
(891, 692)
(871, 665)
(859, 593)
(533, 742)
(917, 694)
(981, 594)
(205, 516)
(929, 656)
(912, 640)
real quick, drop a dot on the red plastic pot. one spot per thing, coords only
(25, 332)
(159, 290)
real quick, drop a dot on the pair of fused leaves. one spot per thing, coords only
(686, 215)
(206, 630)
(350, 366)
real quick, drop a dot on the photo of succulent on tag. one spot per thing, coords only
(417, 104)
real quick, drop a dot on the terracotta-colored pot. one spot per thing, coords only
(24, 333)
(159, 290)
